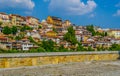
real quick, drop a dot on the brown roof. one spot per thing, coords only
(3, 13)
(28, 17)
(56, 18)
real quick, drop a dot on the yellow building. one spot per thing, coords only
(17, 20)
(66, 23)
(114, 33)
(32, 22)
(54, 20)
(51, 34)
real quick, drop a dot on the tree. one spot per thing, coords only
(39, 26)
(7, 30)
(48, 45)
(54, 30)
(33, 41)
(24, 28)
(115, 47)
(90, 48)
(1, 23)
(105, 34)
(14, 30)
(91, 29)
(20, 36)
(70, 36)
(80, 47)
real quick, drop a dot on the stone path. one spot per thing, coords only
(104, 68)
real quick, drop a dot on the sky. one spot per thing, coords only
(103, 13)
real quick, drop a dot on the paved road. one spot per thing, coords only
(104, 68)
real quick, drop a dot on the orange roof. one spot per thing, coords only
(85, 42)
(51, 32)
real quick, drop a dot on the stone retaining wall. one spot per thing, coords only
(36, 59)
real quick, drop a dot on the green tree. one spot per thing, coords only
(39, 26)
(115, 47)
(91, 29)
(80, 47)
(1, 23)
(20, 36)
(14, 30)
(54, 30)
(70, 36)
(7, 30)
(33, 41)
(48, 45)
(90, 48)
(24, 28)
(105, 34)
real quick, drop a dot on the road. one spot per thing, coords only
(94, 68)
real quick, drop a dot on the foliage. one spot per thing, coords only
(90, 49)
(7, 30)
(20, 36)
(54, 30)
(70, 36)
(91, 29)
(80, 47)
(39, 26)
(1, 23)
(14, 29)
(32, 40)
(115, 47)
(40, 49)
(48, 45)
(24, 28)
(62, 49)
(105, 34)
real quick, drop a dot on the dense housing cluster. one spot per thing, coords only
(53, 34)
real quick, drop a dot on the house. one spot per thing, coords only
(32, 22)
(3, 39)
(66, 24)
(4, 17)
(79, 37)
(103, 44)
(6, 42)
(25, 44)
(114, 33)
(16, 45)
(100, 30)
(82, 35)
(65, 44)
(33, 33)
(54, 20)
(115, 41)
(17, 20)
(60, 35)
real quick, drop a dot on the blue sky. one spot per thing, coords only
(104, 13)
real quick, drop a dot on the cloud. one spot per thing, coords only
(72, 7)
(17, 4)
(91, 15)
(117, 13)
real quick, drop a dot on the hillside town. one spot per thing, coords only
(25, 33)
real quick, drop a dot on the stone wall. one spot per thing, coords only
(37, 59)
